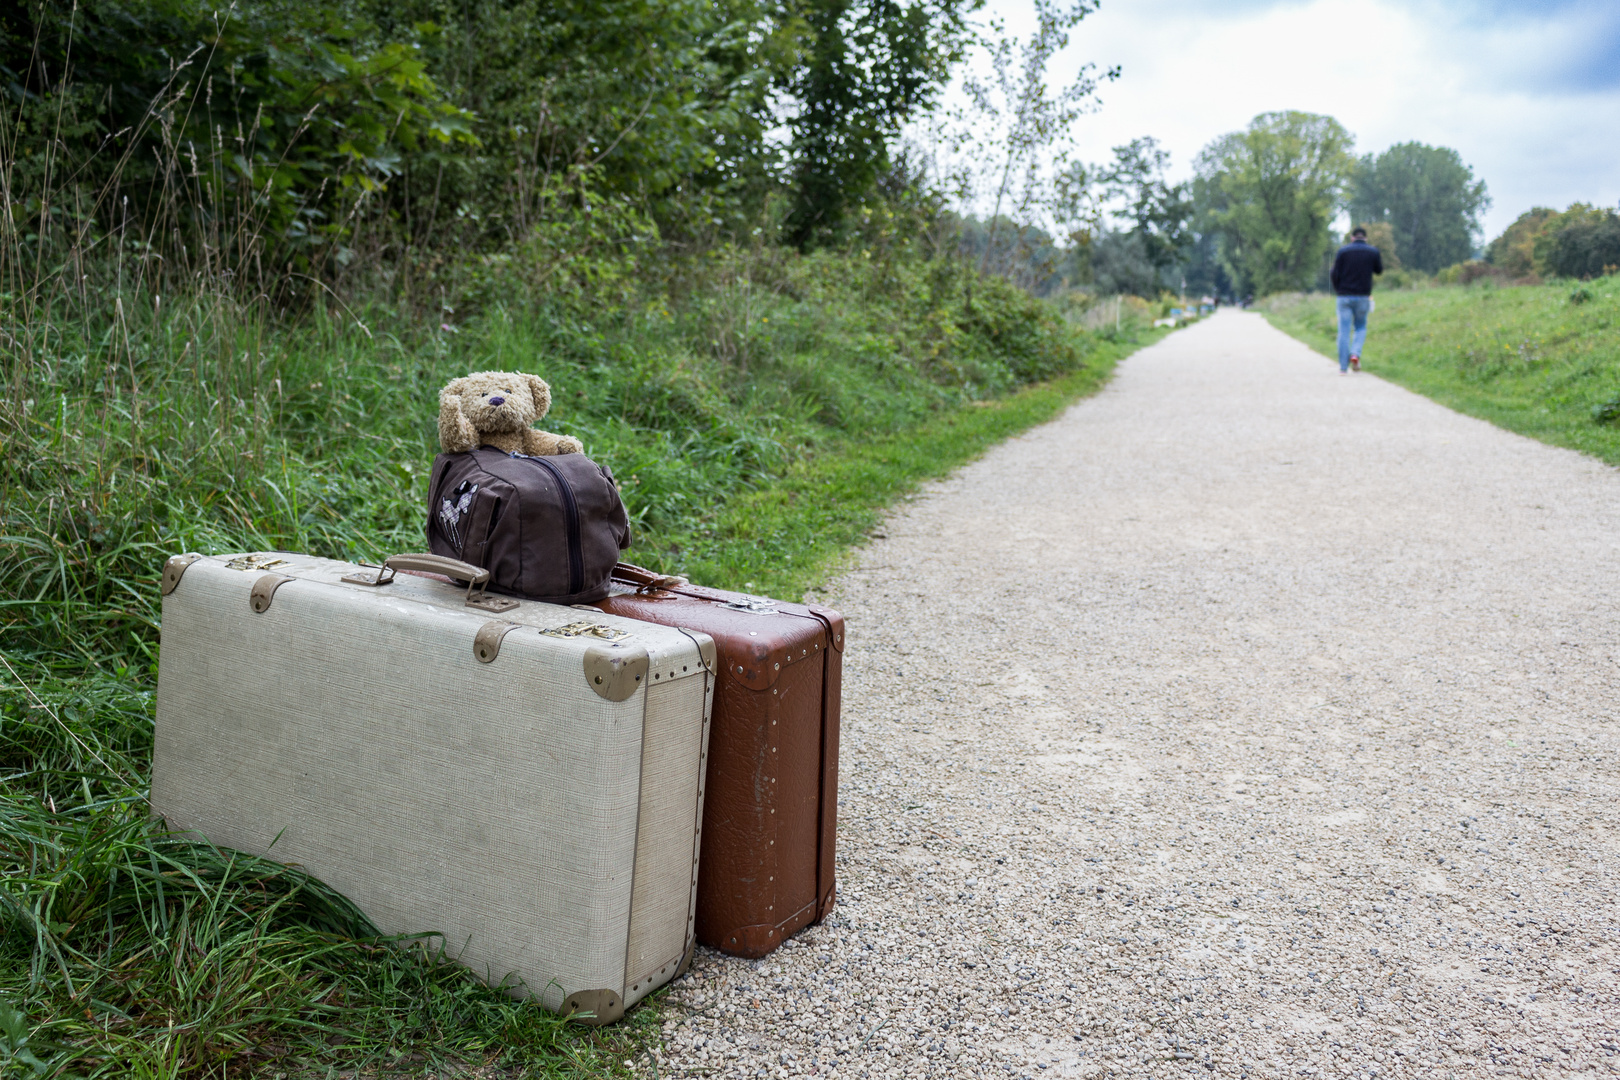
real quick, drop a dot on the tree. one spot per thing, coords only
(867, 67)
(1514, 251)
(1160, 212)
(1019, 131)
(577, 100)
(1381, 235)
(1120, 266)
(1582, 242)
(279, 118)
(1429, 198)
(1270, 191)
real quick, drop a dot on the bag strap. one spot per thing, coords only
(645, 580)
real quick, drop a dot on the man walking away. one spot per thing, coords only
(1352, 278)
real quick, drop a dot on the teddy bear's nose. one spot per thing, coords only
(497, 400)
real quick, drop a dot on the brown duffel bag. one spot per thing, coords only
(546, 528)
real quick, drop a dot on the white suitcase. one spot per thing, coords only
(521, 779)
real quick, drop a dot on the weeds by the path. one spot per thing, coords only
(1541, 360)
(156, 426)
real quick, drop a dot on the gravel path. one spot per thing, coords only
(1248, 720)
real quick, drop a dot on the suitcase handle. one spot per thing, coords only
(645, 580)
(475, 576)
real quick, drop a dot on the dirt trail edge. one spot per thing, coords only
(1246, 720)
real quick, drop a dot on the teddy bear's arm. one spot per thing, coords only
(538, 443)
(456, 433)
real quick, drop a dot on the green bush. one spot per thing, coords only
(1585, 248)
(272, 121)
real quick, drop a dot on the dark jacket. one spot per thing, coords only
(1354, 267)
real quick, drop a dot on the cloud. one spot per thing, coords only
(1554, 48)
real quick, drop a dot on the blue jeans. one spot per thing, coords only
(1352, 327)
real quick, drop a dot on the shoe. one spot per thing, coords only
(1355, 363)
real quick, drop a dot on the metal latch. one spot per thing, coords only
(587, 629)
(753, 605)
(255, 562)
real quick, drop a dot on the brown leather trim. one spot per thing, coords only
(752, 942)
(832, 680)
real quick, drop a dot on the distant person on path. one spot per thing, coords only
(1352, 278)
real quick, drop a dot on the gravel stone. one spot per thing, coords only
(1247, 721)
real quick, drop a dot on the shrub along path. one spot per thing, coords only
(1247, 717)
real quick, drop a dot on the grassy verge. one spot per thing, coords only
(784, 539)
(758, 429)
(1540, 360)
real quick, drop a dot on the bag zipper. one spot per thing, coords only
(576, 555)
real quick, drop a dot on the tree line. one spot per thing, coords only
(393, 142)
(305, 137)
(1257, 217)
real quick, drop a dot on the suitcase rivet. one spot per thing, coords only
(599, 680)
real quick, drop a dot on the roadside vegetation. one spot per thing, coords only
(214, 431)
(240, 253)
(1523, 337)
(1542, 360)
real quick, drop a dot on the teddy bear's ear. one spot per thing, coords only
(456, 433)
(542, 395)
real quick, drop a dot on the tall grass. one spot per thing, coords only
(198, 424)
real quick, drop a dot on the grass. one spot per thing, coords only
(758, 432)
(782, 540)
(1540, 360)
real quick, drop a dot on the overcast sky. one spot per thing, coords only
(1527, 91)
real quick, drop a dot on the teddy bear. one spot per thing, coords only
(495, 408)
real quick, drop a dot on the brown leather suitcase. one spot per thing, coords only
(771, 799)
